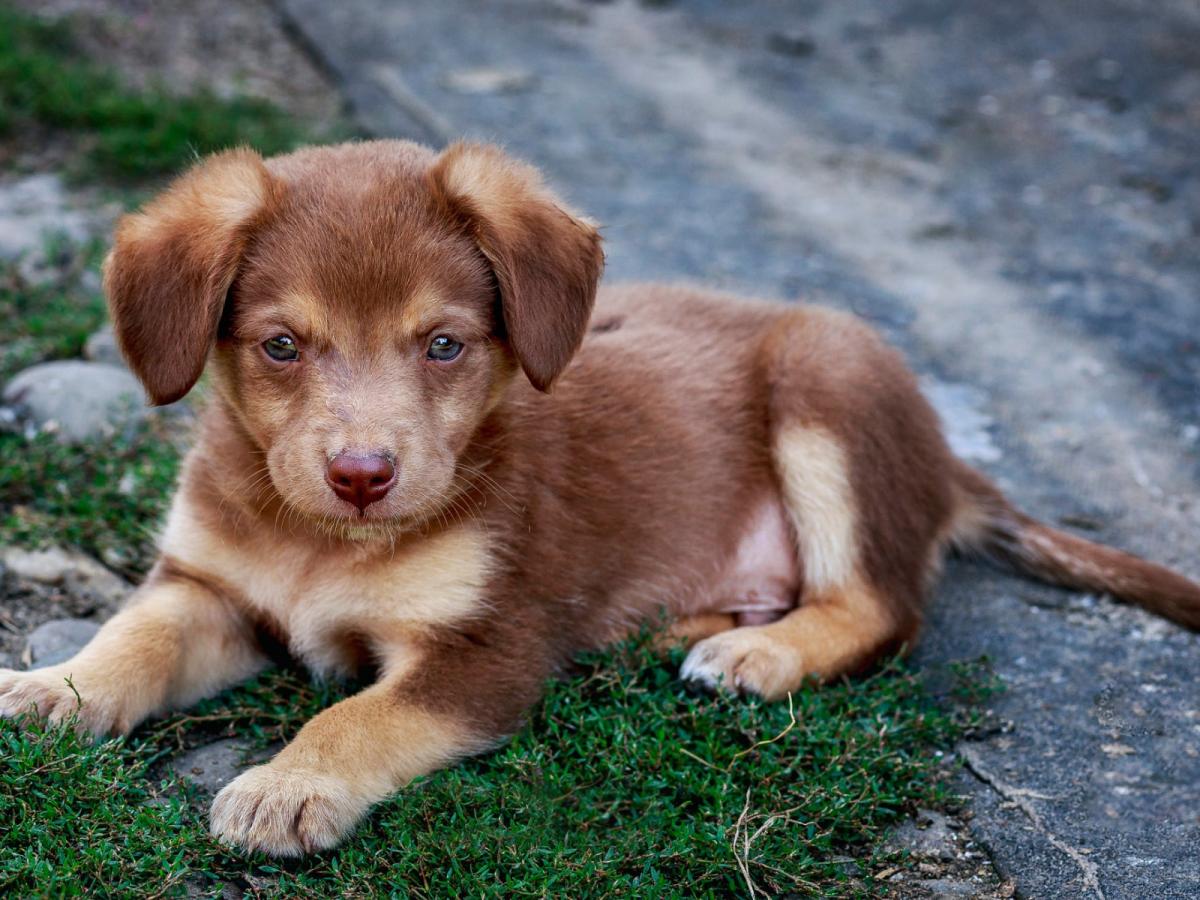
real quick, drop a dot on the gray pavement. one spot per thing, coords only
(1011, 193)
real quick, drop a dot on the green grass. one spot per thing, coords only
(124, 132)
(106, 498)
(623, 784)
(51, 320)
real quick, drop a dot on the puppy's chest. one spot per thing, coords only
(333, 607)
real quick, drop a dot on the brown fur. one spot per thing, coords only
(767, 475)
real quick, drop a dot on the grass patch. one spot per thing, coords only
(51, 320)
(623, 784)
(105, 498)
(127, 133)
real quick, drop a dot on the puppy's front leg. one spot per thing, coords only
(175, 643)
(365, 748)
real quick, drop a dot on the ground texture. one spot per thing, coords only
(1009, 192)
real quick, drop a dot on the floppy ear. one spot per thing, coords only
(172, 264)
(547, 261)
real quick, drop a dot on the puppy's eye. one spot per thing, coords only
(443, 348)
(282, 348)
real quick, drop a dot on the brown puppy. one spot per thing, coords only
(385, 477)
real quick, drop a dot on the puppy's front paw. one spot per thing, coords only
(748, 660)
(284, 812)
(54, 694)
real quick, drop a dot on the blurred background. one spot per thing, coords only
(1009, 191)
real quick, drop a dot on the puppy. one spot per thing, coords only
(425, 454)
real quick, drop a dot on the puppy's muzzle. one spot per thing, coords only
(361, 478)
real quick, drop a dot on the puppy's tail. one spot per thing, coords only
(986, 522)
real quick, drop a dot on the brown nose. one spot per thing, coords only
(361, 478)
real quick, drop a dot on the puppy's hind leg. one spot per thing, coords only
(867, 480)
(690, 630)
(843, 622)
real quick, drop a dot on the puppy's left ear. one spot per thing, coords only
(547, 261)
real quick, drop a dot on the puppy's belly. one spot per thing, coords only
(762, 580)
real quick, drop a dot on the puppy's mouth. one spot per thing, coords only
(381, 520)
(411, 500)
(360, 527)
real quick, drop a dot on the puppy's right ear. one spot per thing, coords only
(172, 264)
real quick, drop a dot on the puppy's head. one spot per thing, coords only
(363, 307)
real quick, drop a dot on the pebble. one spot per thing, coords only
(948, 887)
(213, 766)
(101, 347)
(490, 81)
(75, 399)
(57, 641)
(963, 411)
(792, 43)
(77, 573)
(927, 836)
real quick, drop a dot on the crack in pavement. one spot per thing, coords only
(1019, 797)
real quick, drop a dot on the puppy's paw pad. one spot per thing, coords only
(745, 660)
(284, 812)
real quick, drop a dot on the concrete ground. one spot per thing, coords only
(1010, 192)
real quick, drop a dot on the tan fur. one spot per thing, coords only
(817, 490)
(173, 645)
(349, 757)
(690, 630)
(368, 596)
(769, 475)
(836, 632)
(843, 622)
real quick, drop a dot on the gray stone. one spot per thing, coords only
(198, 886)
(792, 43)
(57, 641)
(962, 409)
(490, 81)
(213, 766)
(77, 573)
(33, 209)
(75, 399)
(928, 836)
(946, 888)
(47, 566)
(91, 281)
(102, 347)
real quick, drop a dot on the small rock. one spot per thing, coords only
(792, 43)
(77, 400)
(963, 411)
(213, 766)
(929, 835)
(490, 81)
(90, 281)
(77, 573)
(57, 641)
(198, 886)
(102, 347)
(945, 888)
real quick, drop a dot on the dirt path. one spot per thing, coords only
(1010, 193)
